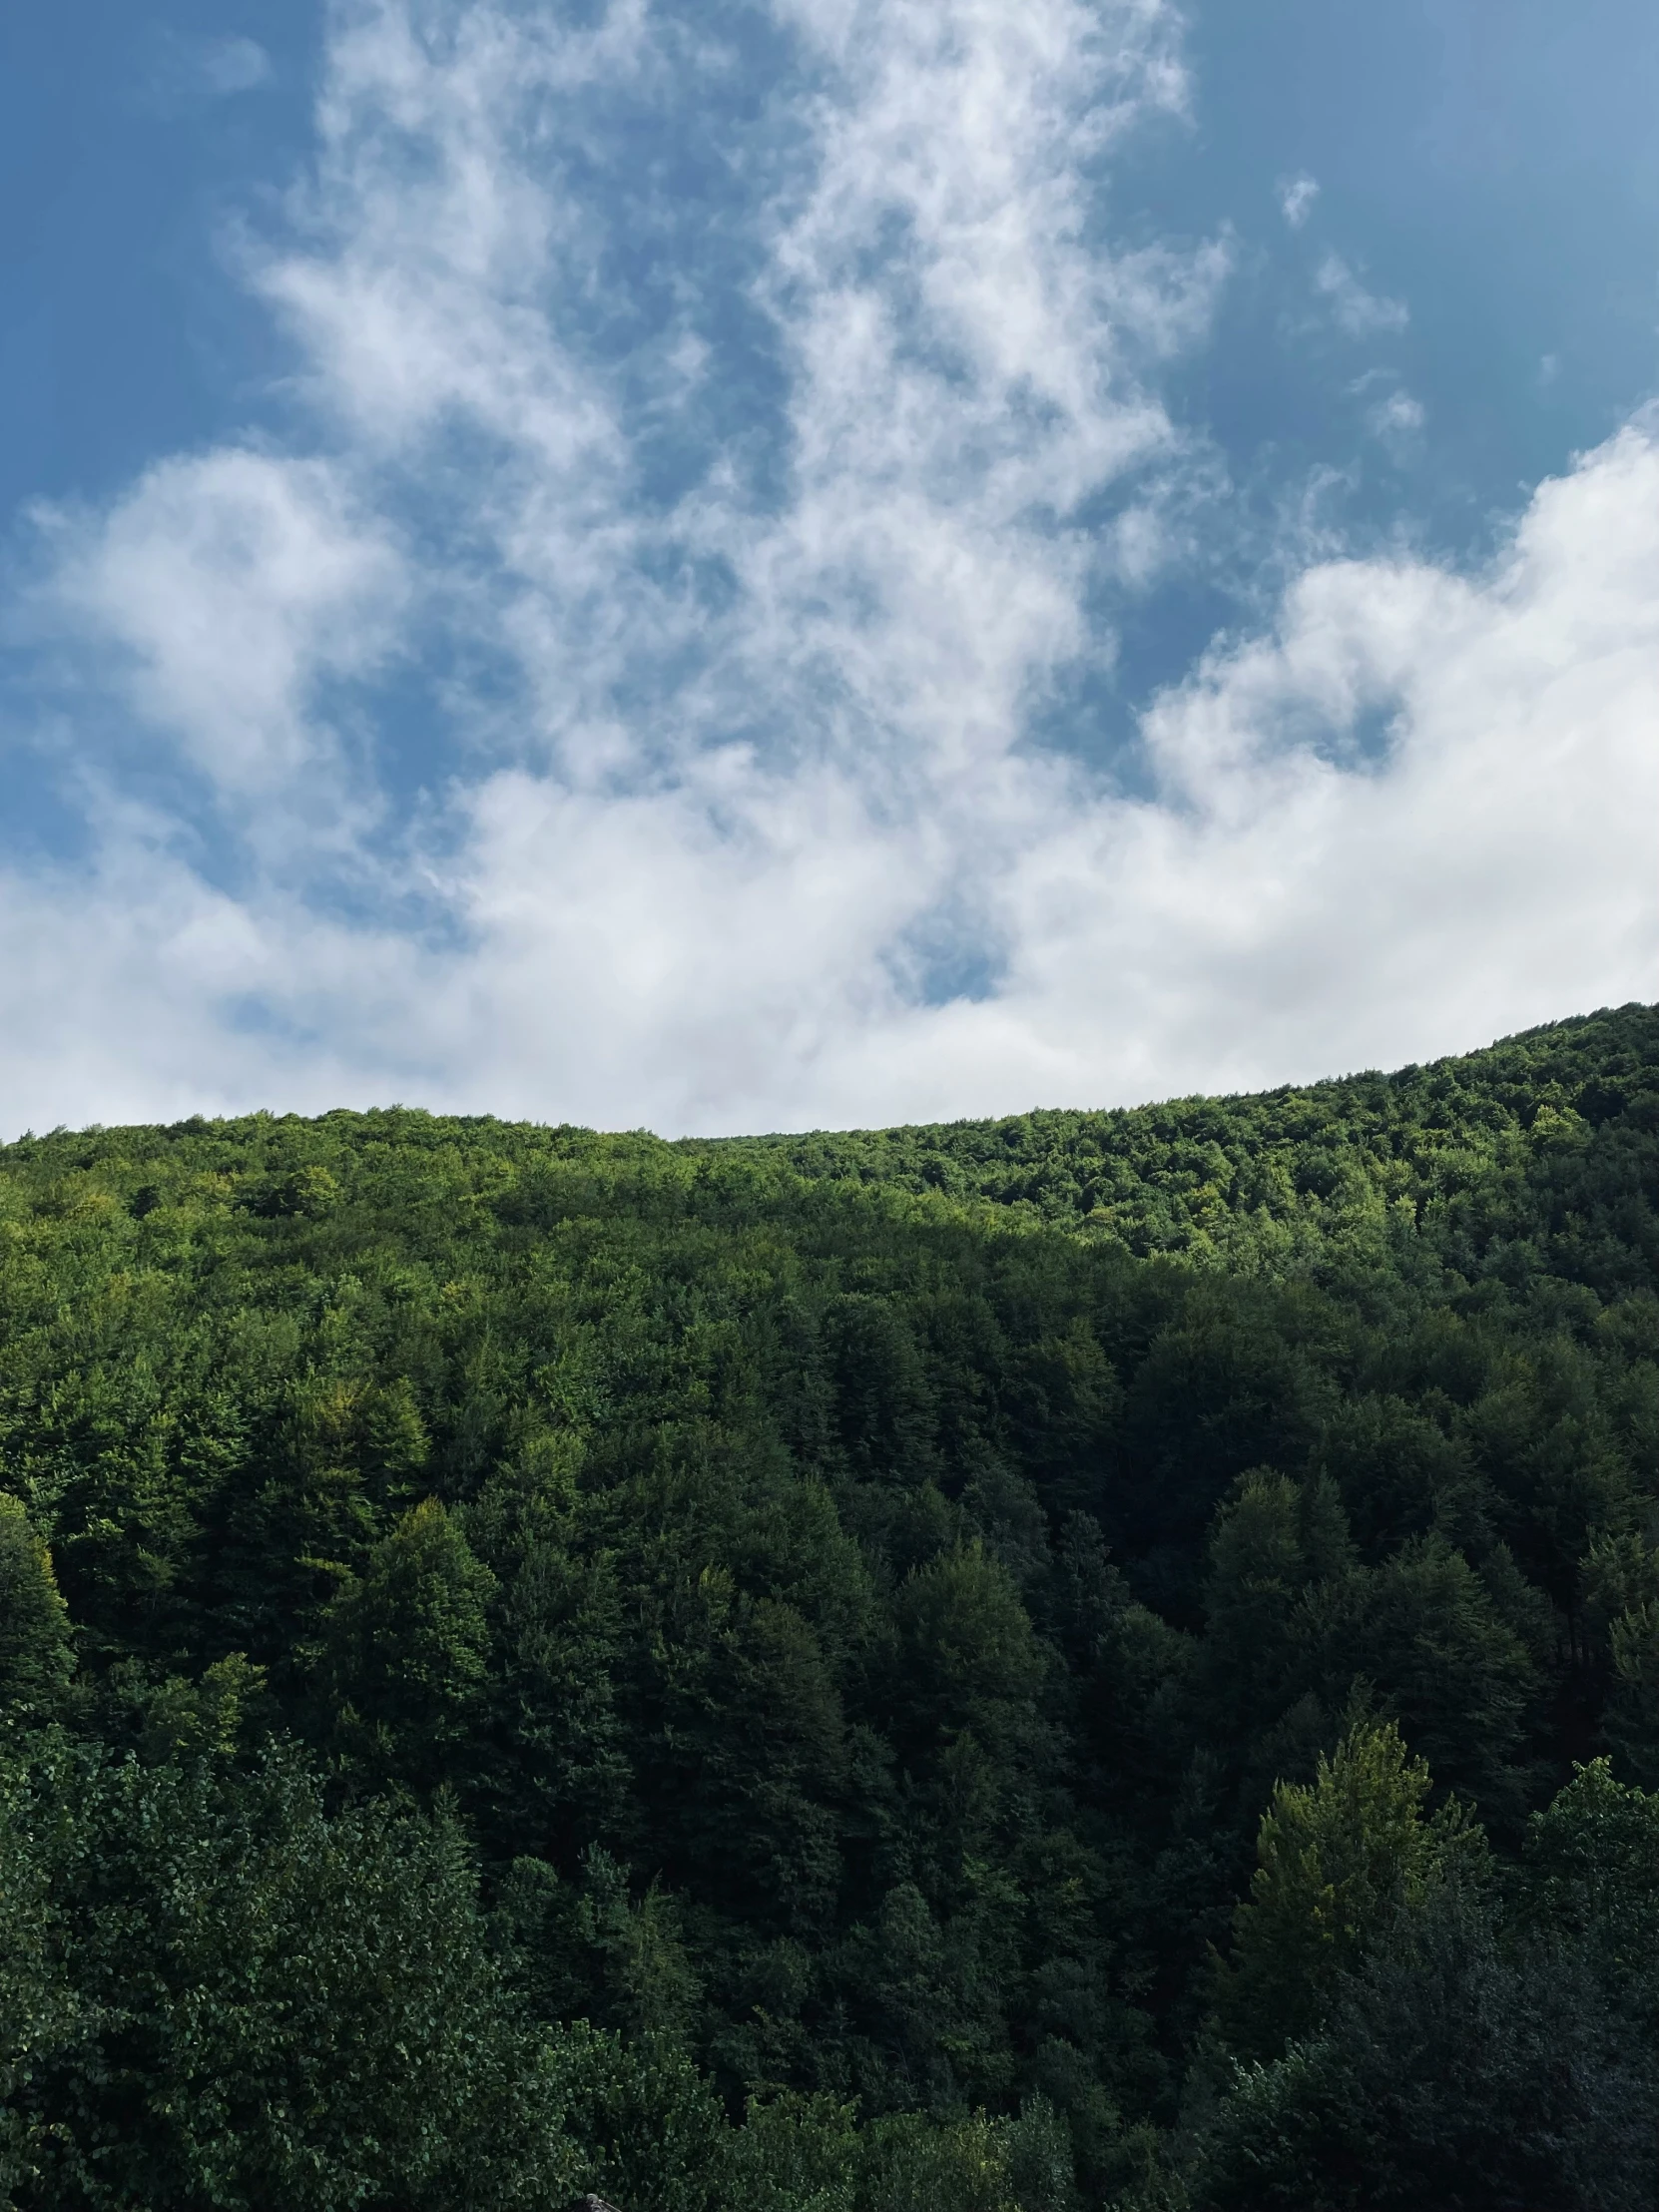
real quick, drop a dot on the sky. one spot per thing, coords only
(746, 564)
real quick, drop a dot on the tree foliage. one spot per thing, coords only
(1338, 1861)
(845, 1604)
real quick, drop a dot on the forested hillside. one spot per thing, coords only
(1089, 1659)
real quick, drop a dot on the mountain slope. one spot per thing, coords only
(858, 1591)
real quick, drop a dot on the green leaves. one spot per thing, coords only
(1461, 2062)
(1337, 1861)
(225, 1996)
(1591, 1868)
(36, 1658)
(401, 1664)
(858, 1591)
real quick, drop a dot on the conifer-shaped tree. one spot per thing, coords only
(1336, 1859)
(403, 1655)
(35, 1657)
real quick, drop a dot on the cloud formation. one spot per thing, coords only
(647, 690)
(235, 64)
(184, 72)
(1397, 418)
(1296, 199)
(1358, 313)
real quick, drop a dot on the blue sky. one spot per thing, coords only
(758, 564)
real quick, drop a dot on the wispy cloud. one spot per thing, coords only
(230, 65)
(1296, 199)
(1397, 420)
(225, 591)
(1362, 313)
(183, 73)
(623, 703)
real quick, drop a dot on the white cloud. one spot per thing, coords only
(957, 400)
(1287, 906)
(230, 65)
(224, 589)
(1284, 905)
(1360, 313)
(181, 74)
(1296, 199)
(725, 773)
(1397, 418)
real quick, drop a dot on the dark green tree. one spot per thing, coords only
(223, 1998)
(1455, 2071)
(403, 1654)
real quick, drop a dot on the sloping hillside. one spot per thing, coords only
(848, 1600)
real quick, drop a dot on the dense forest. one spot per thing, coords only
(1097, 1659)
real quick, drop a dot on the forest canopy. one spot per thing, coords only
(1088, 1659)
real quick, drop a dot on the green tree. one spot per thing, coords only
(1456, 2068)
(1336, 1858)
(1399, 1472)
(1424, 1632)
(588, 1950)
(914, 2164)
(1591, 1871)
(403, 1654)
(36, 1655)
(225, 1998)
(969, 1658)
(796, 2153)
(651, 2128)
(1620, 1583)
(1273, 1541)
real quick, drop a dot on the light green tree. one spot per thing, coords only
(1336, 1858)
(35, 1657)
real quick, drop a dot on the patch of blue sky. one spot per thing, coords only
(248, 1014)
(129, 140)
(1444, 219)
(949, 959)
(1091, 706)
(44, 820)
(259, 1018)
(1488, 164)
